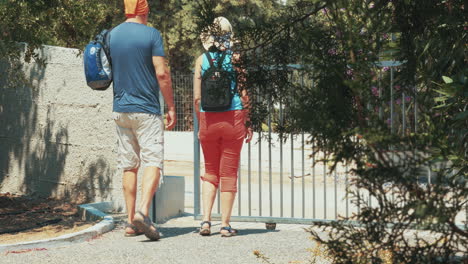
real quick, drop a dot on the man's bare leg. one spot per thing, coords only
(150, 182)
(141, 220)
(130, 188)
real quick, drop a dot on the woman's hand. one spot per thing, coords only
(248, 134)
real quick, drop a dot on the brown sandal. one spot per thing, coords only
(205, 231)
(135, 232)
(143, 222)
(231, 231)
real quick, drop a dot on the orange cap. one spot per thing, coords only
(136, 8)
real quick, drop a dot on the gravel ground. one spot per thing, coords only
(181, 244)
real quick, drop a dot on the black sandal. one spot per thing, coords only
(205, 231)
(143, 222)
(231, 231)
(136, 232)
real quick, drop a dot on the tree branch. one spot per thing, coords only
(286, 27)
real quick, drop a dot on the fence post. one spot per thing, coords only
(196, 166)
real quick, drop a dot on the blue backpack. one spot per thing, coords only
(97, 62)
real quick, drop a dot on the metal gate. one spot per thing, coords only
(281, 182)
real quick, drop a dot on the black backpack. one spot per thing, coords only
(216, 92)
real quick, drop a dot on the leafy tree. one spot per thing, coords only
(182, 21)
(337, 95)
(69, 23)
(64, 23)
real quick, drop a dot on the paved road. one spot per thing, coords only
(181, 244)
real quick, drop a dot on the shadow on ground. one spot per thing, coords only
(170, 232)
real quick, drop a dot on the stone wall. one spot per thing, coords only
(57, 136)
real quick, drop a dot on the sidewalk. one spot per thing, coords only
(181, 244)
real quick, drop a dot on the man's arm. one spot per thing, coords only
(165, 84)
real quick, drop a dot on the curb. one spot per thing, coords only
(88, 212)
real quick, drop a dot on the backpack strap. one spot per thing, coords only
(220, 61)
(108, 35)
(104, 39)
(208, 57)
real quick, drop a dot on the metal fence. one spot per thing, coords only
(288, 181)
(183, 98)
(279, 183)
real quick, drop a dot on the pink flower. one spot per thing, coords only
(398, 101)
(375, 91)
(408, 99)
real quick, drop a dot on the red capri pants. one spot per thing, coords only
(221, 137)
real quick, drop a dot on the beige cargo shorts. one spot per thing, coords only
(140, 140)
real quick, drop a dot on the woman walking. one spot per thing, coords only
(223, 117)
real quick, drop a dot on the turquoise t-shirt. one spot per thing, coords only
(132, 47)
(236, 103)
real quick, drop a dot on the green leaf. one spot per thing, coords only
(444, 92)
(461, 116)
(426, 48)
(440, 99)
(447, 79)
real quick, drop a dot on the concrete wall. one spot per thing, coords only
(56, 134)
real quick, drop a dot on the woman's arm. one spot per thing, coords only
(244, 94)
(197, 86)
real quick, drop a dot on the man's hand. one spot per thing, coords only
(165, 84)
(171, 119)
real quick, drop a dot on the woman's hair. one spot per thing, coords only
(213, 49)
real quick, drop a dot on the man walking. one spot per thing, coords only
(139, 73)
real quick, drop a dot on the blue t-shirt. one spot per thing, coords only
(136, 88)
(236, 103)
